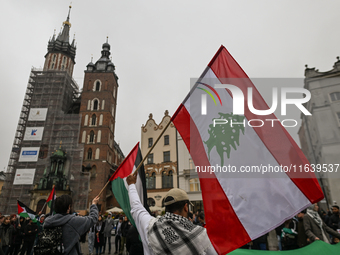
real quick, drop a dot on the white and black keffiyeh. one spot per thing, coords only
(174, 234)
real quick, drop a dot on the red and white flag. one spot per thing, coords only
(238, 210)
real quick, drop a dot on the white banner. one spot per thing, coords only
(29, 154)
(34, 133)
(24, 176)
(37, 114)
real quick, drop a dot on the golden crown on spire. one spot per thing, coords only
(67, 22)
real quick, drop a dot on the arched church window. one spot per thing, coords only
(93, 120)
(97, 86)
(40, 205)
(95, 104)
(89, 154)
(91, 136)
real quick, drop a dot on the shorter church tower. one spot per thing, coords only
(98, 109)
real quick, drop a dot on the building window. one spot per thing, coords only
(194, 184)
(97, 154)
(95, 104)
(150, 142)
(335, 96)
(150, 180)
(150, 158)
(83, 138)
(97, 86)
(89, 154)
(91, 137)
(167, 180)
(93, 120)
(166, 140)
(166, 156)
(151, 202)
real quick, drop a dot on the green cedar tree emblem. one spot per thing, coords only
(224, 136)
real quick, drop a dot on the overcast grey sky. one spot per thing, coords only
(157, 46)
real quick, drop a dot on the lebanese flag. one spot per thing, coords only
(239, 209)
(51, 199)
(120, 186)
(24, 211)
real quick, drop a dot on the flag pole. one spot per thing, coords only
(141, 163)
(103, 188)
(46, 201)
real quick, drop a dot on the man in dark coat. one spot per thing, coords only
(30, 231)
(334, 219)
(133, 245)
(125, 229)
(315, 228)
(301, 236)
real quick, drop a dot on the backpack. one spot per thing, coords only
(50, 241)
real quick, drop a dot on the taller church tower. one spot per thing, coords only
(45, 150)
(98, 109)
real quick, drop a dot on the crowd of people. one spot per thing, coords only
(306, 227)
(20, 235)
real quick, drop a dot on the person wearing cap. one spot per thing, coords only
(173, 233)
(107, 231)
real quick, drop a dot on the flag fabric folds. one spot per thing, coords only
(24, 211)
(239, 210)
(120, 187)
(51, 199)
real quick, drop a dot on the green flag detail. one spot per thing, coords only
(225, 136)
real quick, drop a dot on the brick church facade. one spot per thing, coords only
(65, 136)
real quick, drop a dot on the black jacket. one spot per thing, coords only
(133, 244)
(334, 221)
(30, 232)
(125, 228)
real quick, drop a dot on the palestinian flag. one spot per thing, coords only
(50, 200)
(120, 187)
(247, 206)
(24, 211)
